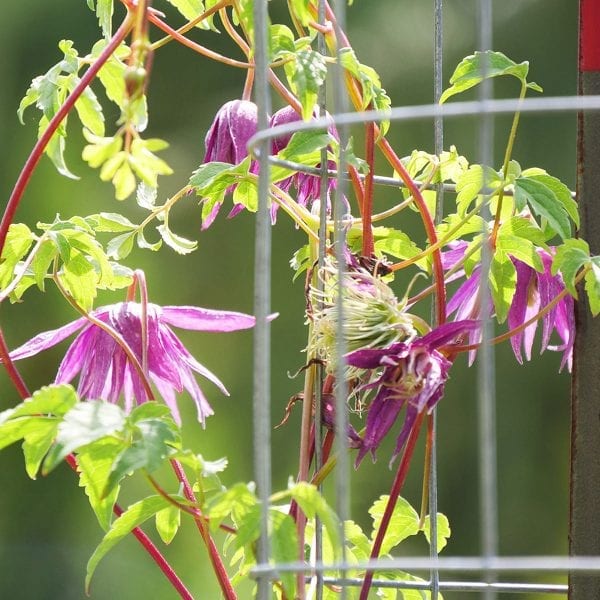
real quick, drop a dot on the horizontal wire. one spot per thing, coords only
(426, 111)
(590, 564)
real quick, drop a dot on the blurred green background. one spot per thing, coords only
(47, 530)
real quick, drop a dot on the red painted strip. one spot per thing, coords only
(589, 35)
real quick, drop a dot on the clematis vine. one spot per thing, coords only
(406, 374)
(105, 370)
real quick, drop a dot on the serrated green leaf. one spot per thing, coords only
(190, 9)
(473, 69)
(133, 517)
(55, 150)
(41, 262)
(281, 42)
(146, 195)
(503, 282)
(562, 193)
(300, 262)
(89, 110)
(568, 259)
(168, 521)
(544, 203)
(57, 399)
(155, 442)
(100, 149)
(443, 530)
(82, 425)
(94, 462)
(206, 173)
(521, 249)
(13, 430)
(142, 242)
(180, 244)
(403, 523)
(104, 12)
(18, 241)
(111, 222)
(124, 181)
(234, 502)
(306, 75)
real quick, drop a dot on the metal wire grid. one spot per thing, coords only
(488, 565)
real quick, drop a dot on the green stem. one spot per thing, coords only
(38, 150)
(507, 156)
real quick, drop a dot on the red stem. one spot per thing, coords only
(367, 211)
(391, 504)
(63, 111)
(12, 371)
(215, 558)
(148, 545)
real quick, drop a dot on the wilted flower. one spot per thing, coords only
(104, 369)
(227, 139)
(412, 375)
(373, 316)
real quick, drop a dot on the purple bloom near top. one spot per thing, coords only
(308, 186)
(104, 368)
(412, 375)
(226, 141)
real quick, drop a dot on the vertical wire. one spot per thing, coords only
(488, 478)
(262, 303)
(342, 487)
(318, 391)
(438, 133)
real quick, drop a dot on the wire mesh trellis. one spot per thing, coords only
(491, 568)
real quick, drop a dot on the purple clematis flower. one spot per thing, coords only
(226, 141)
(307, 186)
(104, 368)
(534, 291)
(413, 376)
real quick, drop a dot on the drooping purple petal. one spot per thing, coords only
(46, 340)
(205, 319)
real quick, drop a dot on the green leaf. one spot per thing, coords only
(190, 9)
(135, 515)
(568, 259)
(301, 10)
(94, 462)
(443, 530)
(592, 285)
(471, 184)
(42, 260)
(503, 282)
(473, 69)
(281, 42)
(168, 521)
(246, 193)
(142, 242)
(205, 174)
(313, 504)
(180, 244)
(111, 222)
(544, 203)
(57, 399)
(236, 502)
(306, 75)
(88, 109)
(155, 442)
(37, 443)
(79, 278)
(521, 249)
(403, 523)
(84, 424)
(104, 12)
(303, 144)
(300, 262)
(561, 192)
(56, 149)
(284, 544)
(18, 241)
(121, 246)
(397, 244)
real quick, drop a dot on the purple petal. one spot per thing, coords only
(205, 319)
(47, 339)
(447, 333)
(75, 356)
(518, 309)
